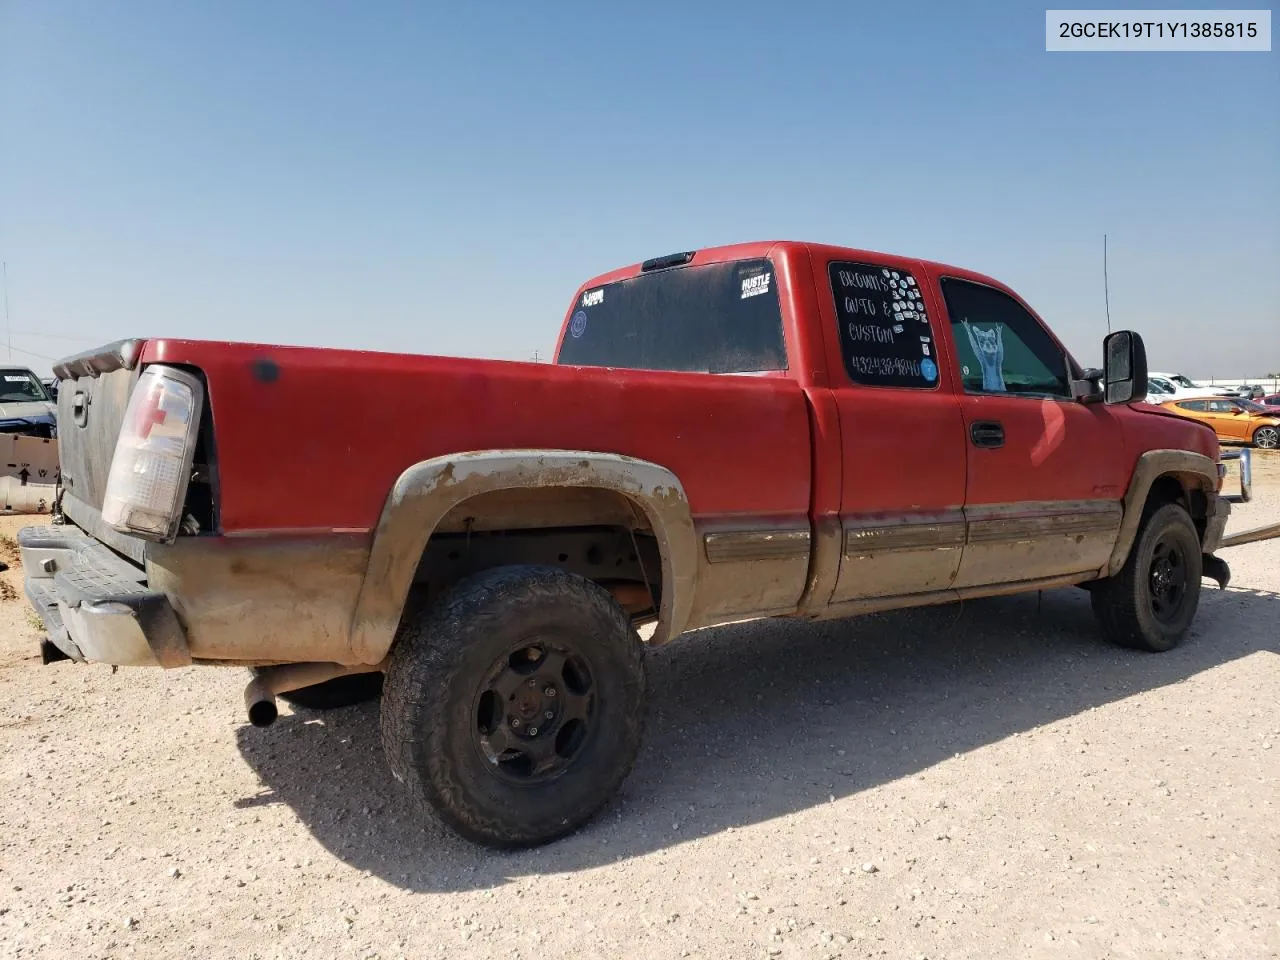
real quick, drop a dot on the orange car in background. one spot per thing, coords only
(1233, 420)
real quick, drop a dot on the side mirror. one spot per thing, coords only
(1088, 389)
(1124, 364)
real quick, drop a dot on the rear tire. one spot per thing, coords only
(1267, 438)
(514, 706)
(1150, 603)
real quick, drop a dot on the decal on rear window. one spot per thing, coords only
(754, 286)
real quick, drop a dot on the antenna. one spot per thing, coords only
(1106, 287)
(8, 327)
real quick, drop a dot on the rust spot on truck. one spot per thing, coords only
(266, 371)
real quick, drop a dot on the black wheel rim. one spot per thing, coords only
(1168, 579)
(533, 712)
(1268, 438)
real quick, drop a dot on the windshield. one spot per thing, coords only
(18, 386)
(1185, 382)
(716, 318)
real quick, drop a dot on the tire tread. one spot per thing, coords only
(433, 647)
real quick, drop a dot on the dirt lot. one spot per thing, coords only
(985, 781)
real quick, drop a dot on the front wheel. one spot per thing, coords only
(1267, 438)
(1150, 603)
(514, 707)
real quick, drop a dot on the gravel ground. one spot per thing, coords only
(980, 781)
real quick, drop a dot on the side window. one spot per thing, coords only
(885, 336)
(1199, 406)
(1000, 347)
(1221, 406)
(1158, 385)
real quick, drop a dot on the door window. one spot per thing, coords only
(1199, 406)
(1222, 406)
(1002, 349)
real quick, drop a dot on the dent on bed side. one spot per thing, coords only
(1191, 469)
(426, 492)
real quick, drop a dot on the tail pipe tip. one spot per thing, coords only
(260, 702)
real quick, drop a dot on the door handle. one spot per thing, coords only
(987, 433)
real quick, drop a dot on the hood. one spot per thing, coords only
(1174, 431)
(33, 409)
(1147, 406)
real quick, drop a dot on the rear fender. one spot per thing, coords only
(427, 491)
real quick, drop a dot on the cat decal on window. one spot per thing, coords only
(988, 347)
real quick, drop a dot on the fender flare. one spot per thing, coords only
(1190, 468)
(426, 491)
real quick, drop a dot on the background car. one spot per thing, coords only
(1271, 401)
(1174, 386)
(1233, 420)
(25, 405)
(1249, 391)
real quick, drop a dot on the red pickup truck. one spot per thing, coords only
(763, 430)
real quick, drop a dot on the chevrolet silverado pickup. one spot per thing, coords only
(775, 429)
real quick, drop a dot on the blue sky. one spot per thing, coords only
(439, 179)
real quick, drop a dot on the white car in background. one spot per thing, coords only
(1174, 386)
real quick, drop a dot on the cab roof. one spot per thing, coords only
(758, 249)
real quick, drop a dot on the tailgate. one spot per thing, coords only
(92, 397)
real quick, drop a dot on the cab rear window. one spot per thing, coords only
(711, 318)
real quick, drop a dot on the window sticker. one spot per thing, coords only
(988, 347)
(754, 286)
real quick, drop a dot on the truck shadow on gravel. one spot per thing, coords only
(755, 721)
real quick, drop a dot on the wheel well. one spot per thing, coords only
(1174, 488)
(598, 534)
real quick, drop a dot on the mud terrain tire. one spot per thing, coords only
(514, 705)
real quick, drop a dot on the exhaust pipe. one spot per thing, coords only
(260, 694)
(261, 703)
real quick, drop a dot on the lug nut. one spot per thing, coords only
(533, 731)
(549, 715)
(550, 691)
(515, 721)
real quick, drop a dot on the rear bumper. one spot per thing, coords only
(95, 604)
